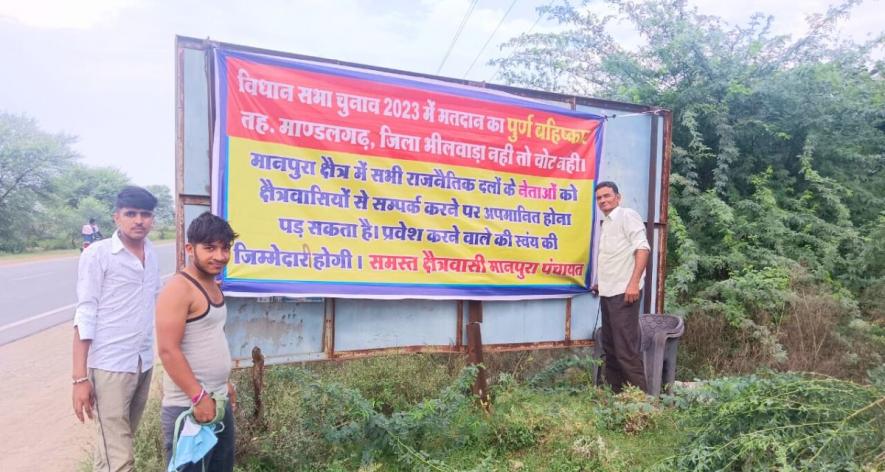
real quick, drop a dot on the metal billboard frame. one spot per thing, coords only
(468, 315)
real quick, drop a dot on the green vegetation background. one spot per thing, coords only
(775, 259)
(47, 195)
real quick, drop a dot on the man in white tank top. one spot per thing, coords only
(190, 339)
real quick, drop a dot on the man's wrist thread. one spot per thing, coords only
(196, 398)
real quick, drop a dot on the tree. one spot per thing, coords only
(78, 194)
(46, 196)
(29, 160)
(164, 215)
(778, 144)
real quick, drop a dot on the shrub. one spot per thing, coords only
(596, 454)
(389, 381)
(817, 330)
(571, 373)
(782, 422)
(631, 411)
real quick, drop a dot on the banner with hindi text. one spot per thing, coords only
(348, 182)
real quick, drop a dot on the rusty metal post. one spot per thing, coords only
(474, 349)
(651, 210)
(258, 387)
(665, 205)
(179, 157)
(329, 328)
(459, 326)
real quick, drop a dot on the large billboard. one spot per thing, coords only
(345, 182)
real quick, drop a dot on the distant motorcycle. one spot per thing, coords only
(86, 242)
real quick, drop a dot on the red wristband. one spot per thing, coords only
(196, 398)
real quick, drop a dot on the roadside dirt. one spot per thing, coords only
(20, 259)
(39, 430)
(17, 259)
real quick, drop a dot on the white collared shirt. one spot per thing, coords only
(116, 297)
(622, 233)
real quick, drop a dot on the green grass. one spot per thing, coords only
(415, 412)
(30, 256)
(528, 429)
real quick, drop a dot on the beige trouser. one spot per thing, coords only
(119, 402)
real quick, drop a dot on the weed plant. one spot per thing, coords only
(348, 417)
(785, 422)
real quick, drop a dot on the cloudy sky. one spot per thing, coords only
(103, 70)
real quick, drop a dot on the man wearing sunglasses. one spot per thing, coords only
(117, 284)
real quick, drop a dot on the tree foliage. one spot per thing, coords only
(29, 161)
(778, 157)
(46, 195)
(78, 194)
(164, 214)
(781, 422)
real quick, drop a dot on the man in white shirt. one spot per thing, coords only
(623, 255)
(117, 284)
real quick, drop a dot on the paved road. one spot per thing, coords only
(37, 295)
